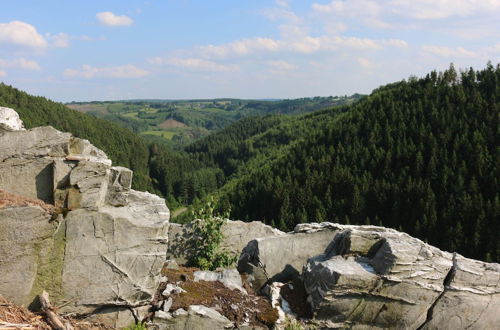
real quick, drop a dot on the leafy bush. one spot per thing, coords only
(207, 236)
(137, 326)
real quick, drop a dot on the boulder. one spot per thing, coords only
(229, 277)
(198, 317)
(9, 120)
(280, 258)
(378, 277)
(111, 259)
(237, 234)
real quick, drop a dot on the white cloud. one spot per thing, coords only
(3, 74)
(282, 3)
(60, 40)
(197, 64)
(21, 34)
(299, 44)
(89, 72)
(365, 63)
(21, 63)
(281, 65)
(240, 47)
(449, 52)
(109, 19)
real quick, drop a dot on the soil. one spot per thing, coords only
(13, 200)
(295, 294)
(233, 304)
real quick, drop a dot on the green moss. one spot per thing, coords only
(50, 264)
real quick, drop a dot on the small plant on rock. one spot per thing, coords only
(207, 233)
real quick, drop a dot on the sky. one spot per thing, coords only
(254, 49)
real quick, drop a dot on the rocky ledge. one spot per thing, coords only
(70, 224)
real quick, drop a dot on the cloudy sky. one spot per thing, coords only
(179, 49)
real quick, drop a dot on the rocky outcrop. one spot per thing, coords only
(9, 120)
(97, 247)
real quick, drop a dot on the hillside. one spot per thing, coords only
(181, 122)
(420, 155)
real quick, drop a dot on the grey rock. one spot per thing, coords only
(172, 288)
(229, 277)
(142, 208)
(110, 260)
(32, 178)
(281, 258)
(471, 298)
(26, 247)
(9, 120)
(89, 181)
(83, 150)
(378, 277)
(37, 142)
(197, 317)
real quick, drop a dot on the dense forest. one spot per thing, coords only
(420, 155)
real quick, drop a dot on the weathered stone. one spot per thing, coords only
(26, 241)
(142, 208)
(281, 258)
(83, 150)
(91, 182)
(32, 178)
(111, 259)
(113, 316)
(373, 276)
(197, 317)
(9, 120)
(37, 142)
(471, 299)
(229, 277)
(236, 234)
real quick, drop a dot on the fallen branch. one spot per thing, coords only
(8, 325)
(54, 320)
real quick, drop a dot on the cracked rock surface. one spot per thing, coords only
(377, 277)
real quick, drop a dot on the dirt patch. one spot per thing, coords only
(169, 123)
(13, 200)
(233, 304)
(296, 296)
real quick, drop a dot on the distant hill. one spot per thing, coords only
(200, 117)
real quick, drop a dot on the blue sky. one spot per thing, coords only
(181, 49)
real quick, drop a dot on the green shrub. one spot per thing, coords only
(207, 236)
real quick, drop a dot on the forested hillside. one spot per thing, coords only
(419, 155)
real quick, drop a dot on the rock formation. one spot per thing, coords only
(96, 245)
(375, 277)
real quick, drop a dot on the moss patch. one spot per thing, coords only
(50, 258)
